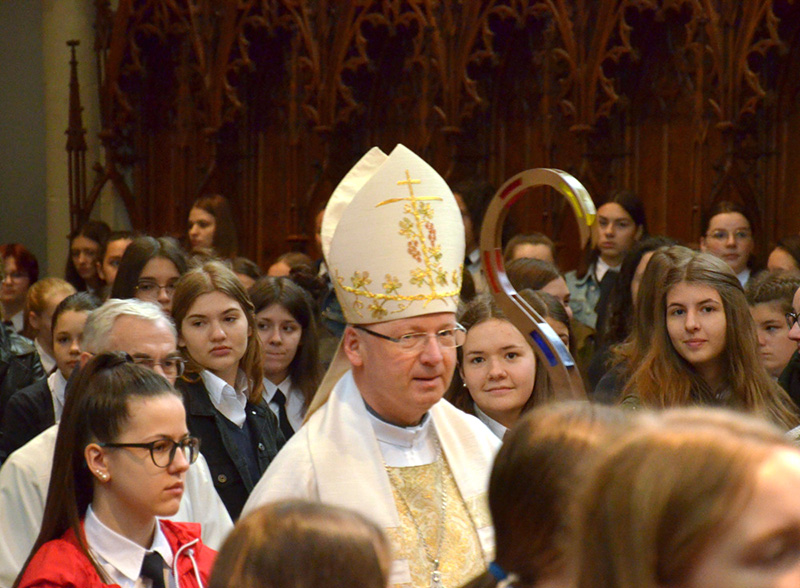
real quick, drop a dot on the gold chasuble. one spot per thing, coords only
(460, 556)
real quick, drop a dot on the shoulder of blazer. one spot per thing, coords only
(33, 399)
(195, 396)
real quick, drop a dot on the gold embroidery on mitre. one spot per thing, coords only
(417, 226)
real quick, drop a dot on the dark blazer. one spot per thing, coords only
(28, 413)
(232, 478)
(19, 364)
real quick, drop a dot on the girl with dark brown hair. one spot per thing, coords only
(499, 377)
(286, 325)
(120, 460)
(620, 223)
(84, 248)
(211, 227)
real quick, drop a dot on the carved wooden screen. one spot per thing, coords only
(270, 102)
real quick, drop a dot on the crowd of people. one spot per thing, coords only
(172, 415)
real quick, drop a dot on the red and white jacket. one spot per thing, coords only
(61, 564)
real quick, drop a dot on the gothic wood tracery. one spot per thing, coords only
(271, 101)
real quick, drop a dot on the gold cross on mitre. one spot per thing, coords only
(412, 198)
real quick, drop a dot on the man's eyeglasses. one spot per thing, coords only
(149, 289)
(446, 338)
(723, 235)
(172, 366)
(163, 451)
(791, 319)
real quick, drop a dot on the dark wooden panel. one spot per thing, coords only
(271, 101)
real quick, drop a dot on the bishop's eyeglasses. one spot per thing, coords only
(414, 342)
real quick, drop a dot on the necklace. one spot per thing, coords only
(436, 575)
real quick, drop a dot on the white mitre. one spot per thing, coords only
(393, 239)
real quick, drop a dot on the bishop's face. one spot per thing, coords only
(400, 385)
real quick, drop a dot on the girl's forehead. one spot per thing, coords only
(613, 210)
(276, 309)
(728, 219)
(214, 302)
(686, 289)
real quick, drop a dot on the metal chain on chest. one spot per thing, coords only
(436, 575)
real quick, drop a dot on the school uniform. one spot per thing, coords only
(31, 411)
(293, 402)
(239, 439)
(47, 360)
(498, 429)
(60, 563)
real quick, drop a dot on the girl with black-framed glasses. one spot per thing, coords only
(121, 456)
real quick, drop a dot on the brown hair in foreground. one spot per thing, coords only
(665, 493)
(299, 544)
(544, 460)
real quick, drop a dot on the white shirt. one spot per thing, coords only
(474, 267)
(17, 321)
(227, 400)
(601, 267)
(120, 557)
(474, 258)
(744, 276)
(58, 385)
(493, 425)
(295, 403)
(48, 361)
(403, 447)
(25, 477)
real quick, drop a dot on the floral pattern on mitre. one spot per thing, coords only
(427, 280)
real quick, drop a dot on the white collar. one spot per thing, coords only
(404, 446)
(48, 361)
(121, 556)
(217, 387)
(17, 321)
(398, 436)
(744, 276)
(229, 401)
(295, 401)
(474, 256)
(270, 388)
(494, 426)
(601, 267)
(58, 385)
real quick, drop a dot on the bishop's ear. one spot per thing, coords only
(353, 346)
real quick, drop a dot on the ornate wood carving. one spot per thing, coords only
(270, 102)
(76, 147)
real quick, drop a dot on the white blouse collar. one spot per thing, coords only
(119, 555)
(493, 425)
